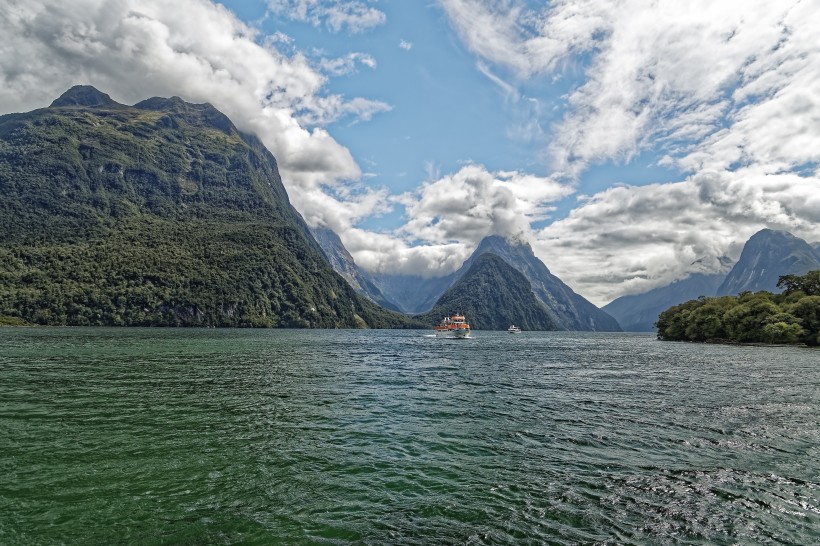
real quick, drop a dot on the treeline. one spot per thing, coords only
(153, 272)
(761, 317)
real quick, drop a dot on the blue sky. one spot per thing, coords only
(444, 111)
(448, 107)
(631, 143)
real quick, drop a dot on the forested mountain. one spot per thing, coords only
(566, 309)
(492, 294)
(161, 213)
(766, 256)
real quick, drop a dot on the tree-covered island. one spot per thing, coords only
(760, 317)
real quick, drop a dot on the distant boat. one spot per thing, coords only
(455, 326)
(513, 329)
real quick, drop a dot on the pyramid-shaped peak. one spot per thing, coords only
(87, 96)
(500, 241)
(767, 233)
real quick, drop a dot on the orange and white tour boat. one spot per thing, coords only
(455, 326)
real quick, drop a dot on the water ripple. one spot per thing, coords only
(337, 437)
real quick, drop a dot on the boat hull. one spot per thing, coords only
(453, 334)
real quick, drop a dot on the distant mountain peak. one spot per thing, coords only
(567, 310)
(86, 96)
(768, 233)
(768, 254)
(493, 295)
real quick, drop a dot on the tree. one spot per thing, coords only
(745, 322)
(782, 328)
(809, 283)
(807, 311)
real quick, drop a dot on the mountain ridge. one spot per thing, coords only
(344, 264)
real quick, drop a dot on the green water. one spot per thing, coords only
(162, 436)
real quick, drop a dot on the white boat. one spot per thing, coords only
(513, 329)
(455, 326)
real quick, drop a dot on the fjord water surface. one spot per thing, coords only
(164, 436)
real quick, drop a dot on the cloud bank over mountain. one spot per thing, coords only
(727, 95)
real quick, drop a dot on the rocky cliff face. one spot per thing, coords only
(161, 213)
(766, 256)
(344, 264)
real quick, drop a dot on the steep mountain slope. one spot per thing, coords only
(567, 310)
(344, 264)
(766, 256)
(161, 213)
(639, 312)
(493, 295)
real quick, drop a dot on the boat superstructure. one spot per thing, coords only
(455, 326)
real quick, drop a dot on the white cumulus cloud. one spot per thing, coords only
(450, 215)
(631, 239)
(353, 15)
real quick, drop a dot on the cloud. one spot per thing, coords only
(631, 239)
(353, 15)
(200, 51)
(727, 93)
(386, 253)
(448, 217)
(342, 66)
(657, 74)
(472, 203)
(405, 45)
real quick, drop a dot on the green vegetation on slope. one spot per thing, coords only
(157, 214)
(493, 295)
(760, 317)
